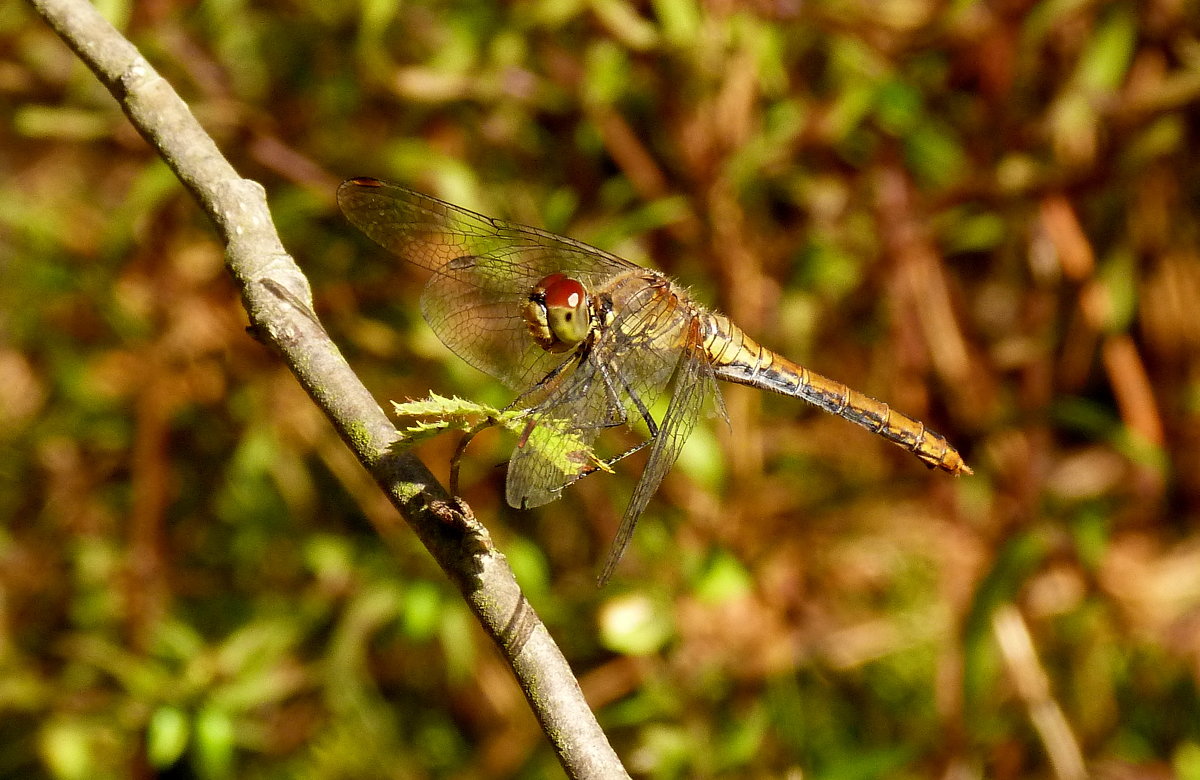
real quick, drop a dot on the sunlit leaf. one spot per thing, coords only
(166, 736)
(635, 625)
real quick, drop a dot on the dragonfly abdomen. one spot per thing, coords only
(736, 357)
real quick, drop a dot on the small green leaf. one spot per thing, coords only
(448, 414)
(422, 430)
(423, 606)
(635, 625)
(1187, 761)
(725, 579)
(436, 405)
(1106, 60)
(214, 743)
(64, 748)
(680, 20)
(166, 737)
(551, 437)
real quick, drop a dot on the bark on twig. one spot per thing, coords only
(278, 300)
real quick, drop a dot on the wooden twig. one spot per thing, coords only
(278, 300)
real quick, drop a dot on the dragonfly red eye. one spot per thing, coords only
(562, 292)
(557, 313)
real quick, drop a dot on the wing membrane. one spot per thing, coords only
(484, 269)
(692, 383)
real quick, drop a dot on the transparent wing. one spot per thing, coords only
(617, 381)
(557, 445)
(484, 269)
(652, 325)
(692, 383)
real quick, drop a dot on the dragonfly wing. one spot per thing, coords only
(692, 383)
(552, 456)
(618, 381)
(642, 345)
(556, 446)
(484, 327)
(484, 270)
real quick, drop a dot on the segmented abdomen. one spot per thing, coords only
(738, 358)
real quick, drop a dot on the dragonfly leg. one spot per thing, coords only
(554, 375)
(614, 398)
(641, 407)
(542, 384)
(606, 465)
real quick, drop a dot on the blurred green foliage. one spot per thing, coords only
(983, 212)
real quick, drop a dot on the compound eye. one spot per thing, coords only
(567, 313)
(563, 292)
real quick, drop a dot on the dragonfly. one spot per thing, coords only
(590, 341)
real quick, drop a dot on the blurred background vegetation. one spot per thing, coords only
(985, 213)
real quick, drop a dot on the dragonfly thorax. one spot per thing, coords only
(558, 313)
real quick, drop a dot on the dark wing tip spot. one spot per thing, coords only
(364, 181)
(464, 263)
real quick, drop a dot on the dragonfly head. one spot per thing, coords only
(558, 313)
